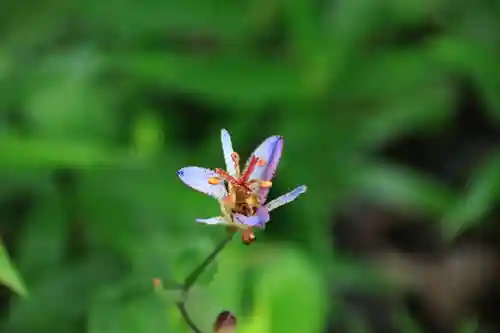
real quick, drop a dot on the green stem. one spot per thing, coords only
(182, 309)
(193, 277)
(195, 274)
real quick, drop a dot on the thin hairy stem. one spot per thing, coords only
(193, 277)
(195, 274)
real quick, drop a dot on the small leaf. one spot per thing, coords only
(9, 275)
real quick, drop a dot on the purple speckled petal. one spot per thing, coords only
(258, 220)
(266, 151)
(213, 220)
(197, 178)
(286, 198)
(227, 150)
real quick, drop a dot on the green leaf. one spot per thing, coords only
(292, 293)
(36, 152)
(224, 19)
(245, 80)
(478, 59)
(483, 190)
(401, 186)
(65, 104)
(397, 185)
(9, 275)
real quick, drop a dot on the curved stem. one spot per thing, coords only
(193, 277)
(190, 280)
(182, 309)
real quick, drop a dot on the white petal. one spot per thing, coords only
(197, 178)
(286, 198)
(213, 220)
(227, 150)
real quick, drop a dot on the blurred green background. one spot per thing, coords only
(102, 101)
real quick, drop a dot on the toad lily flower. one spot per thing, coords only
(242, 195)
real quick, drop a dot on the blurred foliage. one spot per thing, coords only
(102, 101)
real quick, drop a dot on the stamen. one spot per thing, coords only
(235, 157)
(236, 160)
(227, 176)
(250, 168)
(266, 184)
(245, 187)
(214, 181)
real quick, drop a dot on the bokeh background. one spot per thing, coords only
(389, 111)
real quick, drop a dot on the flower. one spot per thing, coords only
(242, 195)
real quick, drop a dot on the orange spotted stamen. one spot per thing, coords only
(236, 160)
(261, 162)
(226, 176)
(233, 181)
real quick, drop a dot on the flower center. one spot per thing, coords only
(246, 206)
(241, 181)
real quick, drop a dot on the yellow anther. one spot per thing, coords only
(266, 184)
(214, 181)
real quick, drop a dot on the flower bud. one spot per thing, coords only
(225, 323)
